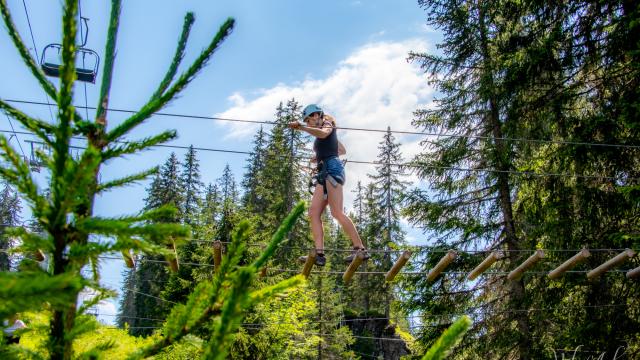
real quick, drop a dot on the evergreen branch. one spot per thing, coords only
(109, 58)
(157, 103)
(135, 146)
(19, 352)
(61, 158)
(19, 291)
(102, 294)
(269, 291)
(38, 127)
(280, 234)
(125, 243)
(79, 252)
(30, 241)
(97, 351)
(452, 336)
(177, 58)
(82, 325)
(24, 52)
(231, 317)
(69, 189)
(126, 180)
(20, 175)
(116, 227)
(205, 300)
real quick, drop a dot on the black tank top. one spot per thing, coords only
(327, 147)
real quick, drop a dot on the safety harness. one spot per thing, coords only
(321, 175)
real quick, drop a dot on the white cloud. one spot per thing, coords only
(373, 88)
(107, 312)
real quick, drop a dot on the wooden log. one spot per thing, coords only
(395, 269)
(308, 264)
(217, 255)
(173, 262)
(38, 255)
(441, 265)
(128, 259)
(611, 263)
(635, 273)
(569, 264)
(355, 263)
(485, 264)
(516, 273)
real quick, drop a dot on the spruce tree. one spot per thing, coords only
(229, 207)
(192, 186)
(10, 207)
(65, 210)
(388, 192)
(145, 287)
(252, 200)
(471, 209)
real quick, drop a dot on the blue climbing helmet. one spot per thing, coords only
(310, 109)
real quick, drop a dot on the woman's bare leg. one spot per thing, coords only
(318, 204)
(335, 199)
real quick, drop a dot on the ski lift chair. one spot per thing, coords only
(87, 72)
(51, 60)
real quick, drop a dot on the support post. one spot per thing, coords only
(485, 264)
(611, 263)
(128, 259)
(635, 273)
(569, 264)
(217, 255)
(395, 269)
(442, 264)
(516, 273)
(357, 260)
(173, 262)
(38, 255)
(308, 265)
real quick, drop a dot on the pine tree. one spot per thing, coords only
(10, 207)
(472, 209)
(252, 200)
(229, 199)
(388, 192)
(144, 288)
(65, 210)
(192, 186)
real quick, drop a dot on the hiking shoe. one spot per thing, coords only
(350, 258)
(320, 260)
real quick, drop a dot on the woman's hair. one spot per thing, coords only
(330, 119)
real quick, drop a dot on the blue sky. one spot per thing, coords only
(349, 56)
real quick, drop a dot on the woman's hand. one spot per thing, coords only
(295, 125)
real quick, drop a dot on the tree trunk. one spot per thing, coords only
(502, 160)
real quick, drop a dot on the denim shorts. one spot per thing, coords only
(335, 169)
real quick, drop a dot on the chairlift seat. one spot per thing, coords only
(82, 74)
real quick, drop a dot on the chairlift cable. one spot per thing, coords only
(16, 135)
(83, 38)
(35, 49)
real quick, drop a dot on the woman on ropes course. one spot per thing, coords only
(330, 178)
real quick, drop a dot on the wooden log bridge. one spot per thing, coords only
(308, 264)
(611, 263)
(402, 260)
(442, 264)
(516, 273)
(569, 264)
(485, 264)
(217, 255)
(355, 263)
